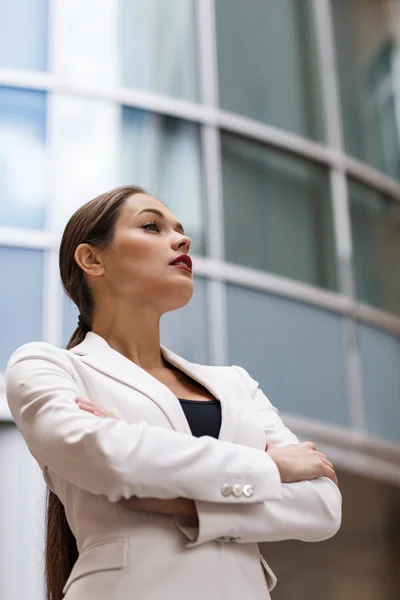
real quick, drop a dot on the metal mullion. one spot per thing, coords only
(216, 297)
(371, 177)
(52, 297)
(340, 205)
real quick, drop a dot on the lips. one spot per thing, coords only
(184, 259)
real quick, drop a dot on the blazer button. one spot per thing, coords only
(237, 490)
(226, 490)
(248, 490)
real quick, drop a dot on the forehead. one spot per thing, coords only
(138, 202)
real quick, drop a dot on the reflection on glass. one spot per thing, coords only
(277, 213)
(380, 353)
(162, 154)
(85, 142)
(367, 58)
(375, 222)
(293, 350)
(21, 300)
(23, 34)
(267, 63)
(157, 46)
(142, 44)
(23, 161)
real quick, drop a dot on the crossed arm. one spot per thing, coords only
(184, 507)
(153, 469)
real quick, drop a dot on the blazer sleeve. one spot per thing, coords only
(115, 458)
(309, 511)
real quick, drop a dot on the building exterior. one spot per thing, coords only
(272, 129)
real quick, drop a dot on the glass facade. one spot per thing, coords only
(368, 69)
(294, 351)
(277, 212)
(375, 221)
(23, 158)
(380, 354)
(253, 81)
(146, 45)
(24, 34)
(21, 300)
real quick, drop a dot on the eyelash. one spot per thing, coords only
(153, 223)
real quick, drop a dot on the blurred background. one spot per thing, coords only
(272, 129)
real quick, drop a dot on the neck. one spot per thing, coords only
(135, 334)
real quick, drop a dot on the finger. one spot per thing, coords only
(104, 413)
(90, 405)
(83, 401)
(328, 463)
(92, 410)
(331, 474)
(323, 458)
(310, 445)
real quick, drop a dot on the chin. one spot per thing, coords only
(174, 300)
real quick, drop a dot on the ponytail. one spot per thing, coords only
(61, 551)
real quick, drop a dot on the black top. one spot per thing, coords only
(203, 416)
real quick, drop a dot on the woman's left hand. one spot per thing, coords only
(95, 410)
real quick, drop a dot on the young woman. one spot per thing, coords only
(163, 474)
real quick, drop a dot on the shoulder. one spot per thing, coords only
(37, 351)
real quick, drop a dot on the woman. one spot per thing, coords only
(163, 474)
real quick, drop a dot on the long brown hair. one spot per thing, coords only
(93, 223)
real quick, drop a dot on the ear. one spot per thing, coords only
(89, 259)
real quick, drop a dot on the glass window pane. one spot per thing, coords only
(380, 353)
(21, 299)
(184, 331)
(23, 160)
(86, 152)
(158, 46)
(295, 352)
(277, 212)
(367, 55)
(375, 222)
(267, 63)
(23, 34)
(163, 155)
(143, 44)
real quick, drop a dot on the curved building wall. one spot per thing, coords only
(272, 130)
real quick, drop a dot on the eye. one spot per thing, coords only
(152, 226)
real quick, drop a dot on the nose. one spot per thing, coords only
(182, 241)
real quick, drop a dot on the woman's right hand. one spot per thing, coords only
(300, 462)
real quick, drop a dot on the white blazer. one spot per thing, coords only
(91, 463)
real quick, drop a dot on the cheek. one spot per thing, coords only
(136, 259)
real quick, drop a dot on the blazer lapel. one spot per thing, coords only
(97, 353)
(229, 409)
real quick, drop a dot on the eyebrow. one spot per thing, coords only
(157, 212)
